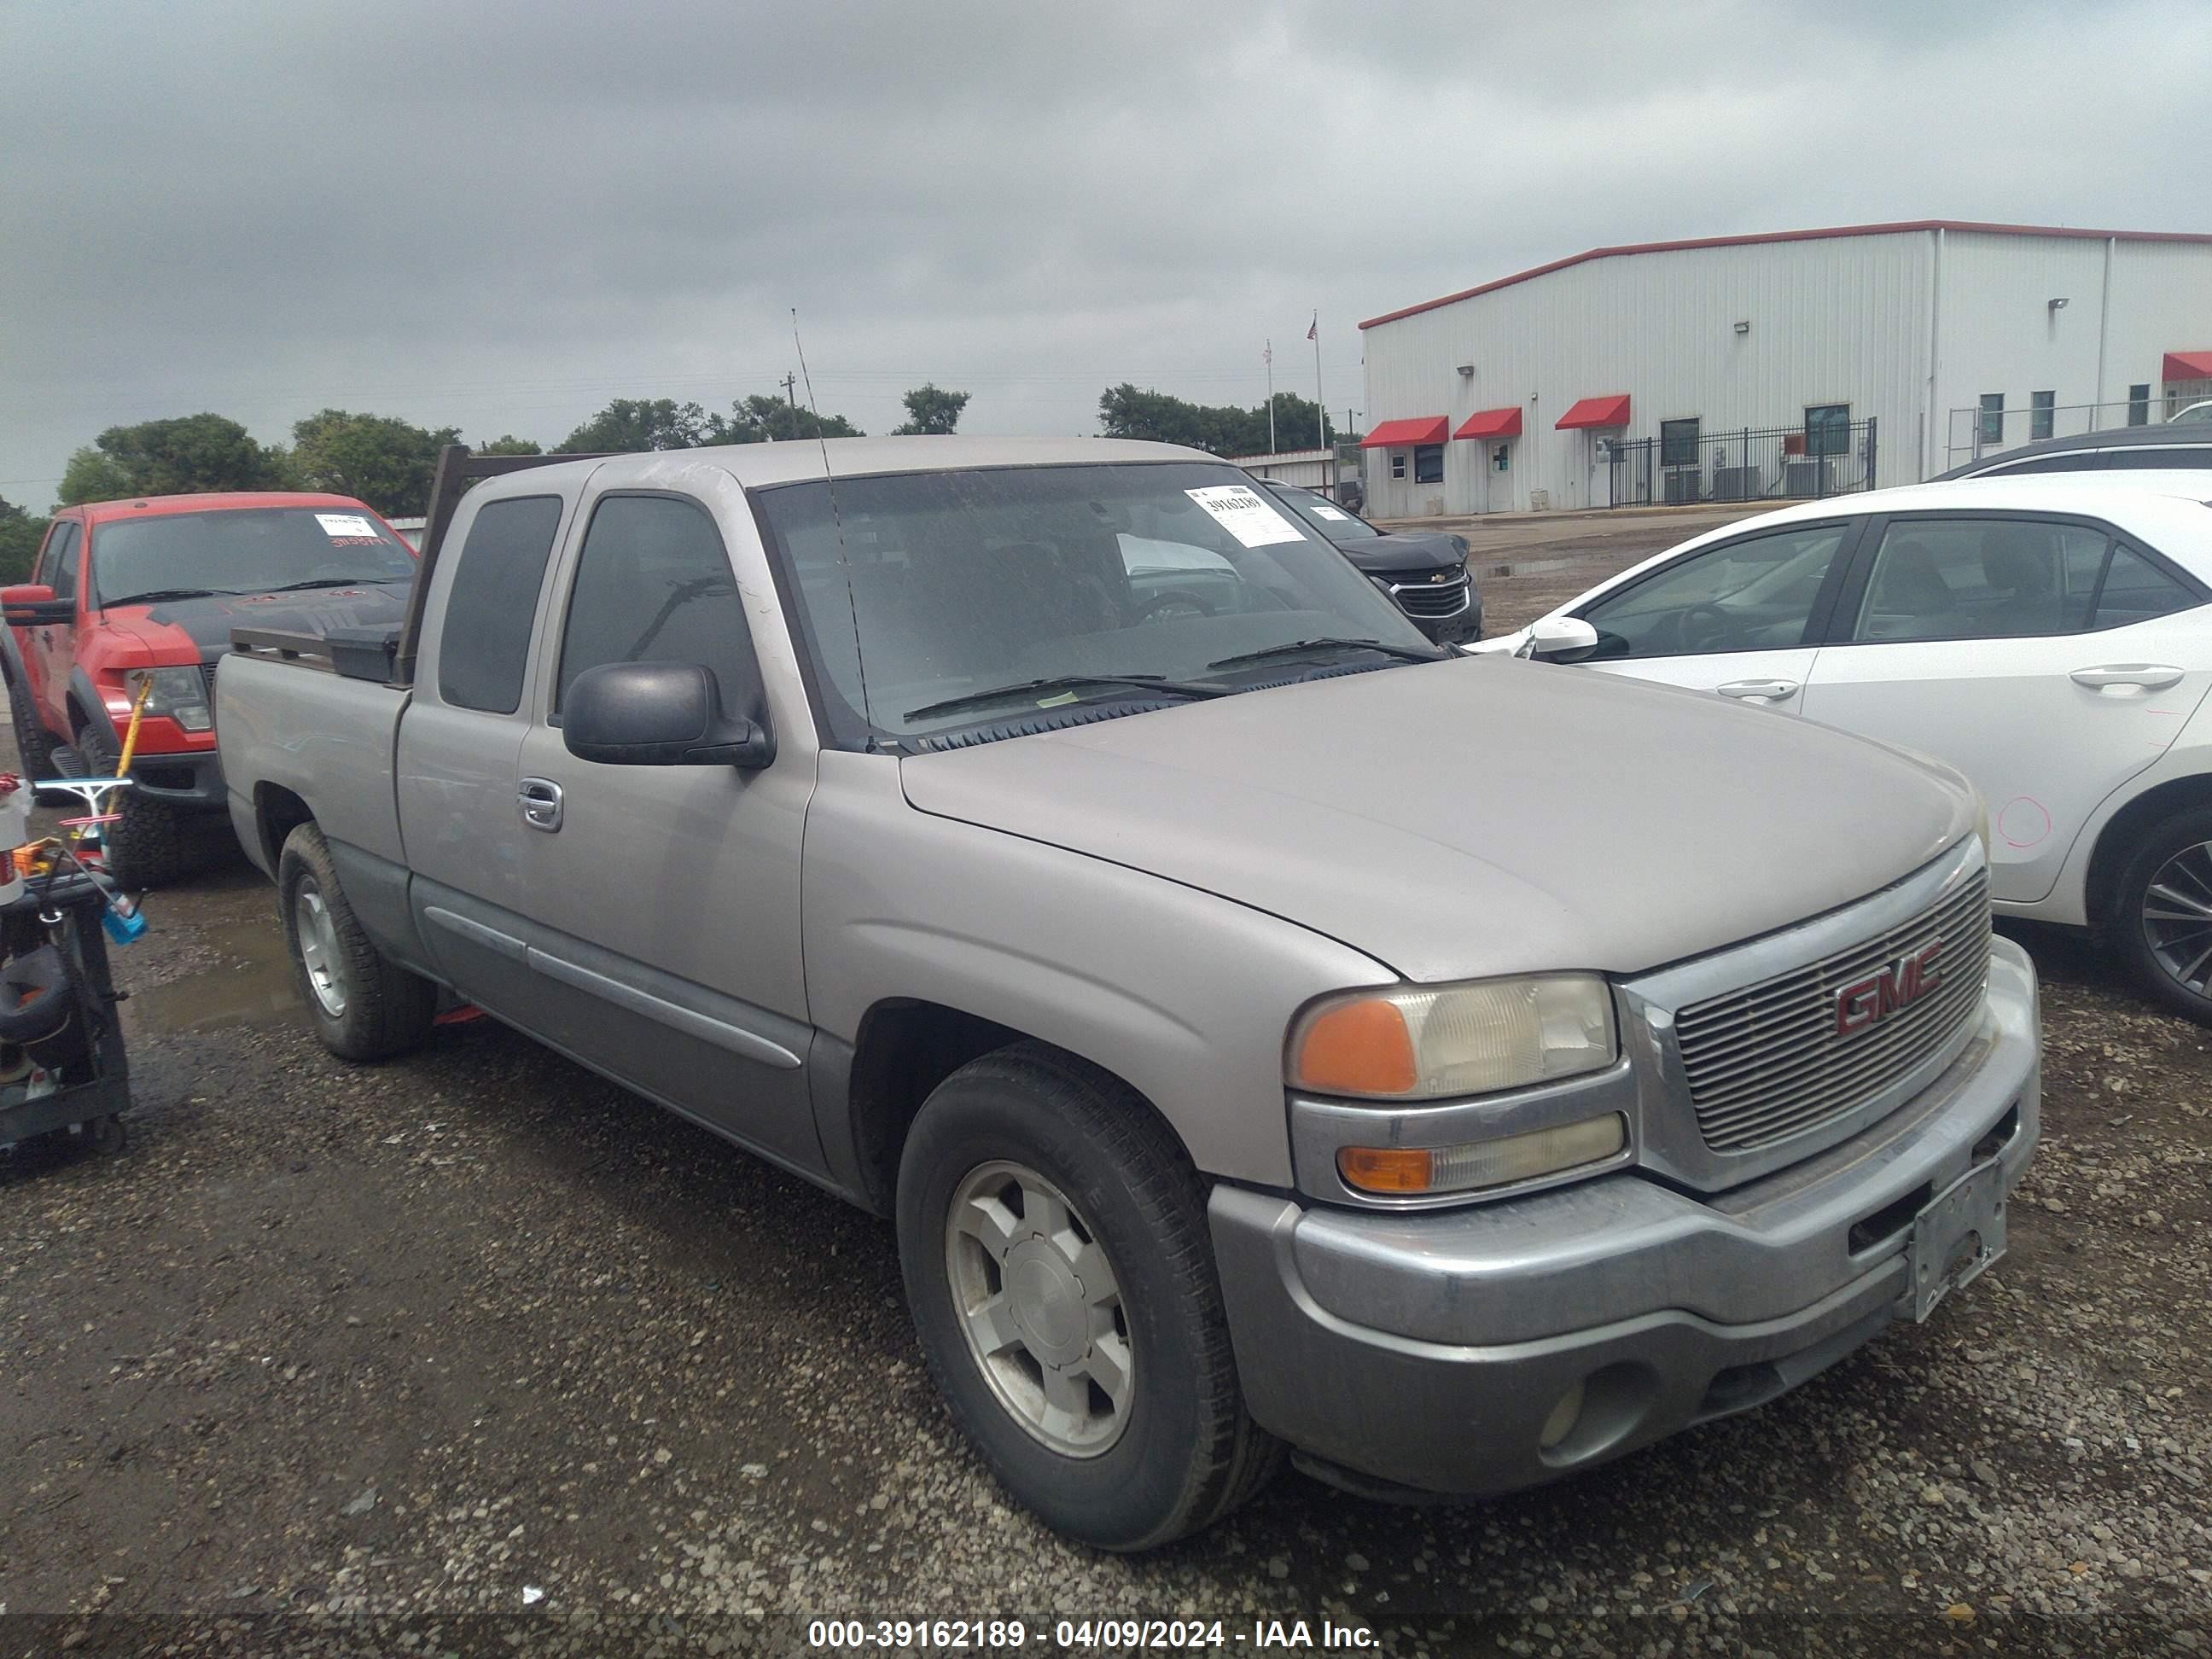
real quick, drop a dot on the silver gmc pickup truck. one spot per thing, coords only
(1269, 1037)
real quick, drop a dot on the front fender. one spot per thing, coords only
(1186, 996)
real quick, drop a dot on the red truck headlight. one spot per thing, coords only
(178, 693)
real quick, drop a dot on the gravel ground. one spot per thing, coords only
(346, 1358)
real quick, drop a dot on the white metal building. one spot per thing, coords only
(1310, 468)
(1778, 365)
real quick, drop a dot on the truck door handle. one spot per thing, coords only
(1765, 690)
(2120, 677)
(540, 798)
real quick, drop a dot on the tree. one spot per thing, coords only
(931, 410)
(631, 425)
(377, 458)
(1124, 411)
(190, 455)
(757, 419)
(509, 445)
(20, 535)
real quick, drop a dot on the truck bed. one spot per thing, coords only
(290, 729)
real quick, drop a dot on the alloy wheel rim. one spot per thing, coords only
(318, 947)
(1041, 1307)
(2177, 917)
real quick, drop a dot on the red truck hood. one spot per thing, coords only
(198, 630)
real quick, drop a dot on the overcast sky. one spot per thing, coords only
(499, 217)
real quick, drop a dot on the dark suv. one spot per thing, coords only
(1424, 570)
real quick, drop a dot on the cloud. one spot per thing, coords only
(501, 217)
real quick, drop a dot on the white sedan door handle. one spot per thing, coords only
(2126, 676)
(1765, 690)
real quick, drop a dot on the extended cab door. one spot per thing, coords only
(2044, 655)
(663, 901)
(460, 742)
(1738, 617)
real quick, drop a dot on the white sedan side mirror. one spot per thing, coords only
(1560, 639)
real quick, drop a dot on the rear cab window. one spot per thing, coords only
(483, 649)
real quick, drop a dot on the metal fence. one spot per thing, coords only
(1747, 464)
(1991, 427)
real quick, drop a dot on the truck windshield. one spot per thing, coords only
(244, 550)
(921, 594)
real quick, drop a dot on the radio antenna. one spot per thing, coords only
(836, 520)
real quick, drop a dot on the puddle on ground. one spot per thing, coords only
(250, 984)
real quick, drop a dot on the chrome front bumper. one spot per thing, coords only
(1423, 1351)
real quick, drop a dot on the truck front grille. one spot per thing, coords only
(207, 673)
(1424, 598)
(1771, 1061)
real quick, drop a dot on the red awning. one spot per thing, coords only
(1491, 424)
(1612, 410)
(2188, 366)
(1400, 435)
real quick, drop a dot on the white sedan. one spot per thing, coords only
(2049, 636)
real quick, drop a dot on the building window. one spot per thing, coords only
(1501, 459)
(1429, 464)
(1992, 426)
(1397, 463)
(2041, 405)
(1678, 443)
(2139, 404)
(1828, 429)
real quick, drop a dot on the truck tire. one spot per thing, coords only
(1053, 1238)
(2164, 945)
(34, 745)
(151, 845)
(364, 1006)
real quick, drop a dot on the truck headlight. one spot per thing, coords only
(1421, 1043)
(178, 693)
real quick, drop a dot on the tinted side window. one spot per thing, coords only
(1756, 594)
(58, 570)
(2078, 460)
(653, 584)
(485, 644)
(2136, 590)
(2182, 458)
(1966, 579)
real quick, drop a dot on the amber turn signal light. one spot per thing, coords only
(1356, 1048)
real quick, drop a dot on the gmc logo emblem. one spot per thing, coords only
(1868, 1002)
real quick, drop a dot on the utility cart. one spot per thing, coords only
(62, 1064)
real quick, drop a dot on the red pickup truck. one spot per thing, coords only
(127, 591)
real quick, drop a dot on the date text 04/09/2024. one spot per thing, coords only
(1099, 1635)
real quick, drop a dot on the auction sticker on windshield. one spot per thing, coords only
(336, 525)
(1240, 511)
(1326, 511)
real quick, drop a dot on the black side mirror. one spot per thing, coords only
(658, 713)
(32, 604)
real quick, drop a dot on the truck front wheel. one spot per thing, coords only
(364, 1006)
(149, 844)
(1053, 1241)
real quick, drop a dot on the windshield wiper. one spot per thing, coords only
(157, 595)
(1157, 684)
(324, 581)
(1301, 648)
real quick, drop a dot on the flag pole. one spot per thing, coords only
(1269, 354)
(1321, 408)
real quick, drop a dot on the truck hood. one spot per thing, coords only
(1477, 816)
(199, 630)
